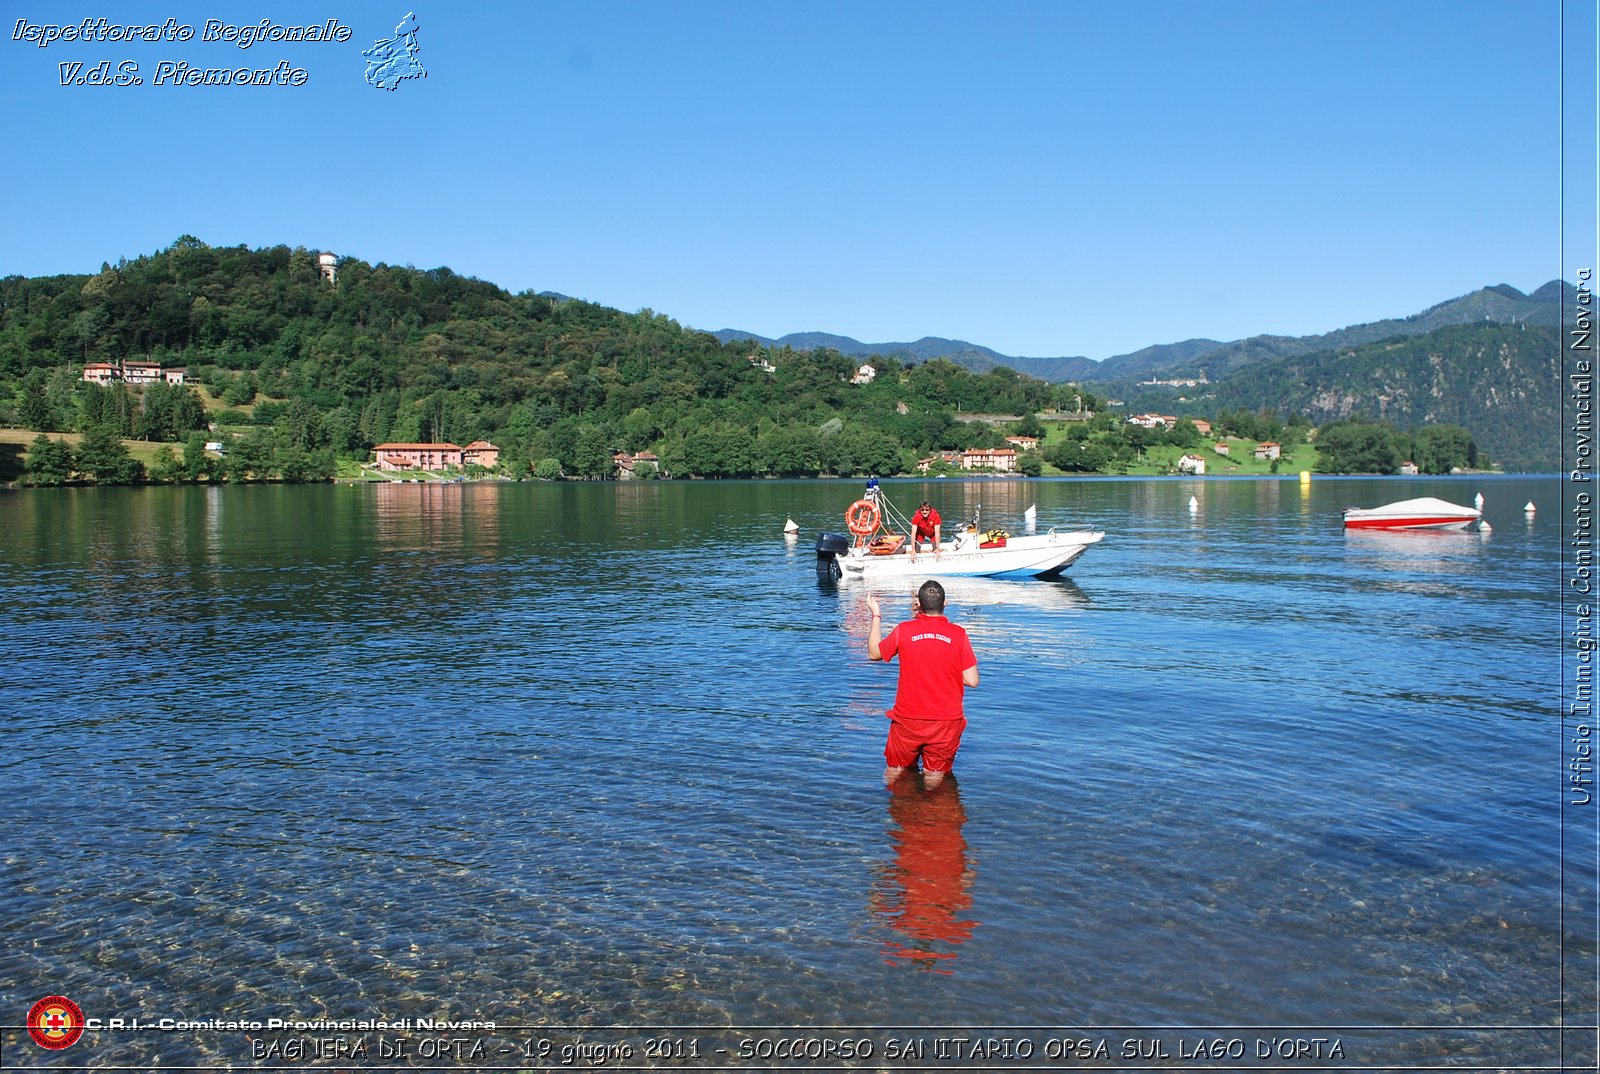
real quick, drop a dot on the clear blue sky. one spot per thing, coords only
(1044, 178)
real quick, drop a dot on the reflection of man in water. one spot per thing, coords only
(927, 892)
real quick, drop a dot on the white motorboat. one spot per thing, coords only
(869, 552)
(1423, 513)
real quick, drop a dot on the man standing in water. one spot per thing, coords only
(936, 665)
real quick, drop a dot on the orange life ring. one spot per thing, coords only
(862, 517)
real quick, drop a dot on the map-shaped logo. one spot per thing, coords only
(391, 61)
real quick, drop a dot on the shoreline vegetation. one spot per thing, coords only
(160, 463)
(202, 364)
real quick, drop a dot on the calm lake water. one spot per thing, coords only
(591, 761)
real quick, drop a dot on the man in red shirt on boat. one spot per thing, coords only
(936, 664)
(924, 527)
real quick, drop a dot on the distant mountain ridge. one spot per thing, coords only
(968, 355)
(1501, 381)
(1500, 304)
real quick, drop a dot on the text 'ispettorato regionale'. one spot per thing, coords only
(179, 72)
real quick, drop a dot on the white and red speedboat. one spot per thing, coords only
(1426, 513)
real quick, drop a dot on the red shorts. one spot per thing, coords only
(936, 741)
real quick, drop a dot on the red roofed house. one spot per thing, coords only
(1268, 449)
(141, 372)
(993, 458)
(628, 466)
(948, 458)
(480, 453)
(132, 372)
(417, 456)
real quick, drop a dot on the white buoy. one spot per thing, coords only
(1194, 504)
(1528, 508)
(1031, 517)
(791, 526)
(1478, 500)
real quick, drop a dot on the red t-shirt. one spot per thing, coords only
(924, 526)
(933, 654)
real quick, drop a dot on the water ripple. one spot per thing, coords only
(595, 754)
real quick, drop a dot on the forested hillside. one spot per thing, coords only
(292, 372)
(399, 354)
(1502, 381)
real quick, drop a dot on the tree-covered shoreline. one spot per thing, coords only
(298, 375)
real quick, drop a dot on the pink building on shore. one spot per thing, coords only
(417, 456)
(480, 453)
(1003, 459)
(435, 456)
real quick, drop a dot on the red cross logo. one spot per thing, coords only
(55, 1022)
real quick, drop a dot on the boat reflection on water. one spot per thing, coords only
(962, 595)
(923, 897)
(1059, 594)
(1431, 551)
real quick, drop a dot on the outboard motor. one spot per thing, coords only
(830, 546)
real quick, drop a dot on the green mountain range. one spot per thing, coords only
(392, 353)
(1502, 304)
(1487, 361)
(1501, 381)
